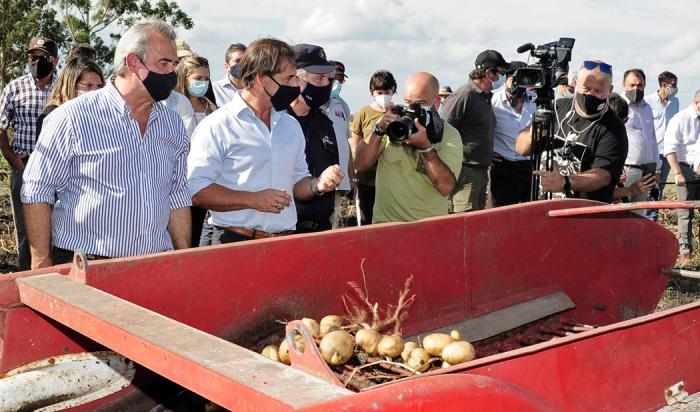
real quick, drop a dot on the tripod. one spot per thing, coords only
(542, 143)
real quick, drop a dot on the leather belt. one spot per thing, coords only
(640, 167)
(254, 233)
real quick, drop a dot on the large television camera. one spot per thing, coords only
(551, 66)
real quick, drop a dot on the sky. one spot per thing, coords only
(444, 37)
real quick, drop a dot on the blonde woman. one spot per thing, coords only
(193, 82)
(80, 75)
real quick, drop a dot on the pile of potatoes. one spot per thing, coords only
(338, 346)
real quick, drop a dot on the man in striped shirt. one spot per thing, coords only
(21, 103)
(113, 162)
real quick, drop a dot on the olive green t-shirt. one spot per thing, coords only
(404, 190)
(362, 125)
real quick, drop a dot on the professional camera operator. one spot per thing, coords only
(590, 142)
(417, 164)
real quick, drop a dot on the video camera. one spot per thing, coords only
(399, 130)
(547, 72)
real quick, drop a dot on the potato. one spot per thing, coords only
(329, 323)
(419, 359)
(445, 365)
(458, 352)
(283, 351)
(337, 347)
(390, 346)
(313, 327)
(271, 352)
(368, 339)
(455, 335)
(434, 343)
(407, 348)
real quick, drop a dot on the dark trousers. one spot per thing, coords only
(510, 182)
(198, 215)
(61, 256)
(366, 194)
(221, 236)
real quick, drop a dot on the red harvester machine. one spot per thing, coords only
(522, 283)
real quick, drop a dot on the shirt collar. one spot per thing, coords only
(49, 86)
(237, 106)
(115, 99)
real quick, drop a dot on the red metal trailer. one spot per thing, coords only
(510, 279)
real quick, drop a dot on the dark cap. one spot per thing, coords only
(312, 59)
(489, 59)
(445, 91)
(44, 44)
(513, 66)
(339, 68)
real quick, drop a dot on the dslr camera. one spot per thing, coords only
(399, 130)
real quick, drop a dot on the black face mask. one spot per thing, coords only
(591, 105)
(159, 85)
(233, 71)
(316, 96)
(634, 95)
(40, 68)
(283, 96)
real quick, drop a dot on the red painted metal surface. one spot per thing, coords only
(620, 207)
(463, 266)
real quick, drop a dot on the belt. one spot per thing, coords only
(88, 256)
(254, 233)
(308, 224)
(640, 167)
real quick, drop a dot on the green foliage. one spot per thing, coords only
(88, 21)
(20, 20)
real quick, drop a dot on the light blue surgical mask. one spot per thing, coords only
(198, 88)
(335, 90)
(498, 83)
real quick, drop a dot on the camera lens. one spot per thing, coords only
(398, 130)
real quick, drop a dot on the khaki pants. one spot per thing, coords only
(469, 193)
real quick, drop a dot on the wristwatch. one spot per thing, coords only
(376, 131)
(567, 187)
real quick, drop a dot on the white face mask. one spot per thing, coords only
(383, 99)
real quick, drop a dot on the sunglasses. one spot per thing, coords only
(590, 65)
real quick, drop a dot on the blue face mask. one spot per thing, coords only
(498, 83)
(335, 90)
(198, 88)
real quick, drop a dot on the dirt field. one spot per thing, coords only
(679, 292)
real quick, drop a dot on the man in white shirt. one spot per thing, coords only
(226, 88)
(642, 152)
(181, 105)
(246, 162)
(339, 112)
(511, 173)
(664, 104)
(680, 148)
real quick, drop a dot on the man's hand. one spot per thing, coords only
(551, 181)
(329, 179)
(680, 179)
(419, 139)
(642, 185)
(15, 161)
(388, 117)
(271, 200)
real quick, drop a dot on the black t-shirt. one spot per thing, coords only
(321, 151)
(581, 144)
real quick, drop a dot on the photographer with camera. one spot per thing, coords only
(510, 172)
(418, 153)
(589, 140)
(469, 110)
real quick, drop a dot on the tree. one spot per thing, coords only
(87, 21)
(20, 20)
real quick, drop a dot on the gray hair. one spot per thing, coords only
(135, 40)
(696, 98)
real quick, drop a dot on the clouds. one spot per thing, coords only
(444, 37)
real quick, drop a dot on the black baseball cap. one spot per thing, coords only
(43, 44)
(489, 59)
(339, 68)
(513, 66)
(312, 59)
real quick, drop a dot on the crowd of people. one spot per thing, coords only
(161, 157)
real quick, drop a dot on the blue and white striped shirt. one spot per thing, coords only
(112, 189)
(21, 103)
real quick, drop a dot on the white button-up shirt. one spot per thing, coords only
(223, 91)
(180, 104)
(112, 189)
(339, 112)
(663, 112)
(235, 149)
(508, 124)
(682, 135)
(641, 135)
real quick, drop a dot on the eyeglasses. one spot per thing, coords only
(88, 87)
(590, 65)
(35, 57)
